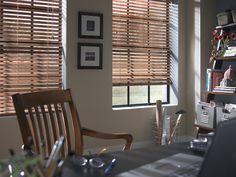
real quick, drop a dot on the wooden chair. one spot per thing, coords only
(47, 115)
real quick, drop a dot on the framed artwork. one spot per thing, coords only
(89, 56)
(90, 25)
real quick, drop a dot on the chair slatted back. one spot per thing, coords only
(45, 116)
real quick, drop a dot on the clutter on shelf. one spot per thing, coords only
(224, 40)
(211, 114)
(227, 17)
(167, 127)
(218, 80)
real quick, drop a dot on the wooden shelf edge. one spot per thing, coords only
(221, 93)
(226, 58)
(205, 128)
(225, 26)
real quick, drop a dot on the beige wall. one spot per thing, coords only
(9, 136)
(201, 20)
(92, 89)
(193, 59)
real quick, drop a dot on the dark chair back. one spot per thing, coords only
(47, 115)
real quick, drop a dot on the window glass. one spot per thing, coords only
(119, 95)
(158, 92)
(138, 94)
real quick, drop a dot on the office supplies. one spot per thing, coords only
(126, 160)
(110, 166)
(202, 143)
(219, 160)
(101, 151)
(199, 144)
(81, 161)
(167, 167)
(96, 162)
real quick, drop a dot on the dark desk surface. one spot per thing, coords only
(126, 160)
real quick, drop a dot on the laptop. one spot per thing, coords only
(219, 160)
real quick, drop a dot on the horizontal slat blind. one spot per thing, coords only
(140, 42)
(30, 48)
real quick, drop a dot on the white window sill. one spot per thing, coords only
(143, 107)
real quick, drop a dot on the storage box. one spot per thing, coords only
(205, 116)
(224, 18)
(222, 114)
(233, 12)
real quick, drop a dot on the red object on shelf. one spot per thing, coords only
(217, 76)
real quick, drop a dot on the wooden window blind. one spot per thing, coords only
(140, 42)
(30, 48)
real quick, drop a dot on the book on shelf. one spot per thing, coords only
(213, 78)
(225, 89)
(231, 51)
(208, 79)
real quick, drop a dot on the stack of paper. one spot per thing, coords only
(231, 51)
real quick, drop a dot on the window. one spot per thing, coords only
(140, 52)
(30, 48)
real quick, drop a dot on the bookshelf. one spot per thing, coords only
(220, 63)
(211, 95)
(225, 58)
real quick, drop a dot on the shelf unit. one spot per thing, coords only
(226, 26)
(225, 58)
(217, 64)
(202, 129)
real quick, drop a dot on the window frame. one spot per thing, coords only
(143, 104)
(168, 83)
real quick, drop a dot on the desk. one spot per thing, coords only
(127, 160)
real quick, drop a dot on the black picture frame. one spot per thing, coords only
(90, 56)
(90, 25)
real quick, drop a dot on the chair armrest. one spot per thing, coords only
(102, 135)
